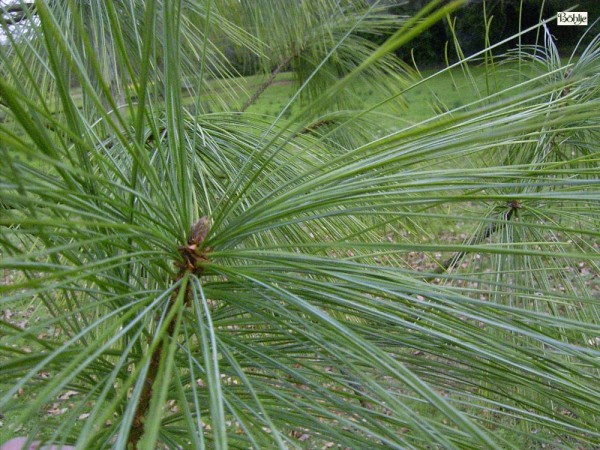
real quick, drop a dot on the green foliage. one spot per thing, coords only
(226, 280)
(505, 18)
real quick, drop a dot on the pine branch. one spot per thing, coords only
(16, 13)
(478, 238)
(141, 412)
(194, 256)
(263, 87)
(358, 388)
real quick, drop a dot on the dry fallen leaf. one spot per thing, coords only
(304, 437)
(67, 395)
(56, 410)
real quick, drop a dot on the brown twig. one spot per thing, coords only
(491, 229)
(359, 389)
(316, 125)
(141, 411)
(263, 87)
(194, 256)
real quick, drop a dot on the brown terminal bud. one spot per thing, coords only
(199, 231)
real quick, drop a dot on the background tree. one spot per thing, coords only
(505, 18)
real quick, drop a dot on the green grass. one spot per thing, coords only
(447, 90)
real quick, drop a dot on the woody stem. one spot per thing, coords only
(141, 412)
(492, 228)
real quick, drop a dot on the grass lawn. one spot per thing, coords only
(429, 94)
